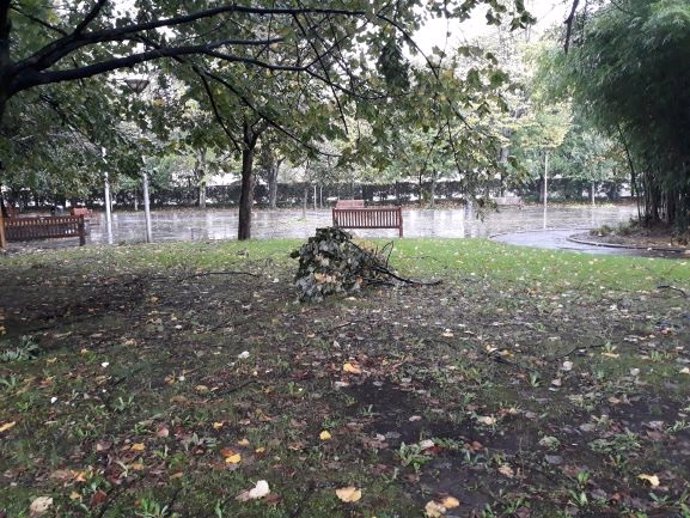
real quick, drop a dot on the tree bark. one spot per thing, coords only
(249, 141)
(202, 195)
(244, 229)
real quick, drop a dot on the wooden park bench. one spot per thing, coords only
(88, 216)
(81, 211)
(370, 217)
(26, 229)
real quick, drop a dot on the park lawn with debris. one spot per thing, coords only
(186, 380)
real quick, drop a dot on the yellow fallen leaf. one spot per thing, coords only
(433, 509)
(218, 425)
(652, 479)
(7, 426)
(352, 368)
(325, 435)
(260, 449)
(79, 476)
(243, 442)
(74, 496)
(233, 459)
(139, 446)
(349, 494)
(450, 502)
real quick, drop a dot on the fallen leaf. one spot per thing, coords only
(7, 426)
(652, 479)
(233, 459)
(352, 368)
(98, 498)
(426, 444)
(486, 420)
(163, 432)
(218, 425)
(567, 366)
(349, 494)
(506, 470)
(40, 505)
(325, 435)
(685, 370)
(139, 446)
(243, 442)
(433, 509)
(260, 490)
(450, 502)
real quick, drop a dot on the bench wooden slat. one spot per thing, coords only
(371, 217)
(349, 204)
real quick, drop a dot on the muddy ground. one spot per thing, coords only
(168, 391)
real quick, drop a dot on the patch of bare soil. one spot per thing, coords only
(660, 238)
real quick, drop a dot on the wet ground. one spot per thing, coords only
(526, 226)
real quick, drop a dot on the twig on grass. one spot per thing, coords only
(673, 288)
(228, 272)
(413, 282)
(114, 494)
(574, 350)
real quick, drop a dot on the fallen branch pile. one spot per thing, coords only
(330, 263)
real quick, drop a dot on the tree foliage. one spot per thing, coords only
(630, 74)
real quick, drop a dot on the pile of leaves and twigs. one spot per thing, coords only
(330, 263)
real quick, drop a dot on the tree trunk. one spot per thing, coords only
(273, 182)
(432, 191)
(244, 229)
(202, 195)
(305, 200)
(5, 61)
(249, 141)
(199, 170)
(272, 188)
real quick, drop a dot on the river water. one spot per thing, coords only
(528, 225)
(213, 224)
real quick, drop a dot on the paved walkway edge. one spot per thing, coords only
(581, 241)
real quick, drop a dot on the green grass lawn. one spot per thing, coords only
(166, 380)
